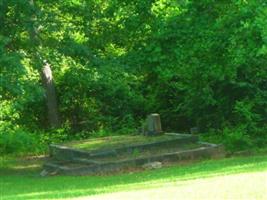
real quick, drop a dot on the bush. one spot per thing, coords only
(93, 99)
(236, 139)
(14, 139)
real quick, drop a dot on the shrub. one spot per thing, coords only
(14, 139)
(92, 99)
(236, 138)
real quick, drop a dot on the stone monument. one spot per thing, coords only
(153, 125)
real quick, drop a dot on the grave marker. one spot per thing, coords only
(153, 124)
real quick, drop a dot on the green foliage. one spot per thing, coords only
(16, 139)
(236, 139)
(99, 98)
(197, 63)
(20, 141)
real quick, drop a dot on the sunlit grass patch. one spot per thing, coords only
(28, 185)
(116, 141)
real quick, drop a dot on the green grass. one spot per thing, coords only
(20, 180)
(116, 141)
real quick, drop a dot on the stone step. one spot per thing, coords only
(91, 167)
(67, 153)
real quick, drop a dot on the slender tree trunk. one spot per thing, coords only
(46, 72)
(51, 98)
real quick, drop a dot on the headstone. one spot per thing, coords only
(153, 124)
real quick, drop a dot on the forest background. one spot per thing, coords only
(198, 63)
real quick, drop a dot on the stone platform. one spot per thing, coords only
(86, 158)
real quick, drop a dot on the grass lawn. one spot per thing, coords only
(117, 141)
(231, 178)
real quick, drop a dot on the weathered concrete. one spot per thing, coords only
(66, 153)
(78, 165)
(153, 124)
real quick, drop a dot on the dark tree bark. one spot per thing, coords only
(46, 72)
(51, 98)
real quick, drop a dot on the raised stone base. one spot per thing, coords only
(180, 147)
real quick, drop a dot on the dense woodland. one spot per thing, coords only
(197, 63)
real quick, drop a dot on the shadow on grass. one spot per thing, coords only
(26, 184)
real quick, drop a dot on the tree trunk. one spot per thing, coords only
(46, 72)
(51, 99)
